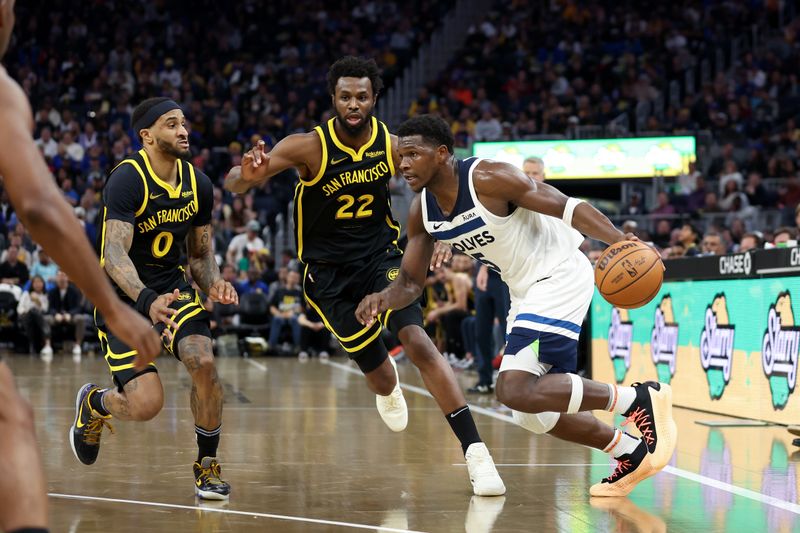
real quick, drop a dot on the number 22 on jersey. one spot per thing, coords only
(347, 210)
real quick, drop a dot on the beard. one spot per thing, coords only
(169, 149)
(354, 131)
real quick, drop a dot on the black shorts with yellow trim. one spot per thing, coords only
(191, 319)
(335, 291)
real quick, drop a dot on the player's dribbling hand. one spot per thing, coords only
(255, 163)
(160, 311)
(223, 292)
(442, 253)
(134, 331)
(370, 307)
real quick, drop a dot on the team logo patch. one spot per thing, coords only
(184, 296)
(620, 341)
(186, 194)
(716, 346)
(779, 350)
(664, 340)
(392, 273)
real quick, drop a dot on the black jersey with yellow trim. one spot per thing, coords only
(344, 213)
(161, 215)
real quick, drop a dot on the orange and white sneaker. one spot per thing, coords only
(651, 413)
(632, 468)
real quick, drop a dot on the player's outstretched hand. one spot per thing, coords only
(160, 311)
(442, 254)
(223, 292)
(133, 329)
(255, 163)
(370, 307)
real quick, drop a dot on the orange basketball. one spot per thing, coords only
(629, 274)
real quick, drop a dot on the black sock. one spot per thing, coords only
(207, 442)
(463, 426)
(30, 530)
(96, 402)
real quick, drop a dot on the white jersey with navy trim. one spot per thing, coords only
(523, 247)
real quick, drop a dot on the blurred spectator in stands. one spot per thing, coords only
(253, 283)
(533, 167)
(314, 337)
(47, 144)
(31, 309)
(730, 172)
(688, 237)
(88, 227)
(663, 206)
(12, 270)
(285, 306)
(687, 182)
(756, 193)
(449, 313)
(713, 244)
(65, 312)
(784, 236)
(749, 241)
(44, 267)
(243, 243)
(663, 233)
(488, 128)
(635, 206)
(424, 103)
(463, 129)
(697, 198)
(70, 194)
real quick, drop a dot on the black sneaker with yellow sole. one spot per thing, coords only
(207, 482)
(84, 435)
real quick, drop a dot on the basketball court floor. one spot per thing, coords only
(305, 450)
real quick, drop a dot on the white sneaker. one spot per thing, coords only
(393, 408)
(482, 472)
(302, 356)
(76, 352)
(324, 356)
(47, 353)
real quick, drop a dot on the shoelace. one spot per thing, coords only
(393, 400)
(94, 428)
(621, 469)
(642, 421)
(211, 474)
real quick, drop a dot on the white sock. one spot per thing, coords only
(620, 399)
(621, 444)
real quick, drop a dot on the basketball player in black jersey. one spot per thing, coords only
(153, 203)
(347, 244)
(42, 208)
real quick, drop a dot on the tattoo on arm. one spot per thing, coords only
(117, 262)
(201, 257)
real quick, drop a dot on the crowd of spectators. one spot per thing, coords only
(249, 70)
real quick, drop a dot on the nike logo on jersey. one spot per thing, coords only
(437, 226)
(154, 196)
(337, 161)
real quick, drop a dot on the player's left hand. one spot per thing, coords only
(442, 253)
(370, 307)
(223, 292)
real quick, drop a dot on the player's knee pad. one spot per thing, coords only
(538, 423)
(576, 396)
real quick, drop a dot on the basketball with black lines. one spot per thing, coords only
(629, 274)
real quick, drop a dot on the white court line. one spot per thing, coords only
(232, 511)
(541, 464)
(260, 366)
(727, 487)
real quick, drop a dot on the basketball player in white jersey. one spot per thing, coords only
(529, 232)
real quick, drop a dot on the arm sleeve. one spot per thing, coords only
(205, 200)
(123, 194)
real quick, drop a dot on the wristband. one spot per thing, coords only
(145, 300)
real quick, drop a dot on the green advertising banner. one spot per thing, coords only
(598, 158)
(726, 346)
